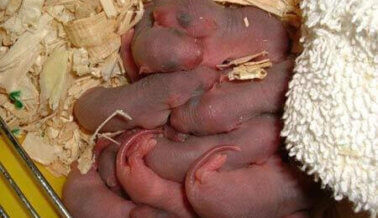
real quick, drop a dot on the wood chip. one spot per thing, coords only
(109, 8)
(246, 68)
(246, 22)
(38, 149)
(241, 60)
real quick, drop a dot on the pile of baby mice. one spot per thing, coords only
(197, 144)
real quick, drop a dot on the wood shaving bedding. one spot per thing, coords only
(247, 68)
(114, 114)
(51, 52)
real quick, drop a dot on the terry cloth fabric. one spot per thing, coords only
(331, 114)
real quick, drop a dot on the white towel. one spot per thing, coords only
(331, 115)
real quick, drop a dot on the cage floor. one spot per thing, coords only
(9, 200)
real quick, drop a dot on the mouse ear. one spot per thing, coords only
(165, 16)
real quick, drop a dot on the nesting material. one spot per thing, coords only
(128, 18)
(16, 63)
(109, 8)
(250, 70)
(39, 150)
(53, 77)
(331, 115)
(52, 52)
(26, 13)
(246, 68)
(114, 114)
(96, 34)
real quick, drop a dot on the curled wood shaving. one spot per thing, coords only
(100, 52)
(115, 113)
(249, 71)
(241, 60)
(90, 31)
(246, 68)
(112, 134)
(96, 34)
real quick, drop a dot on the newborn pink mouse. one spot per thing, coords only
(271, 189)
